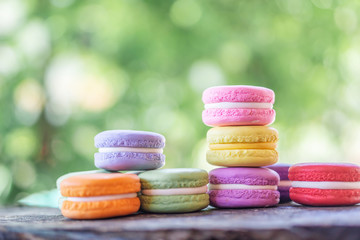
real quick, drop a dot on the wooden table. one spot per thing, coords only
(290, 221)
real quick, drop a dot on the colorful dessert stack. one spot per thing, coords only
(162, 190)
(241, 141)
(108, 193)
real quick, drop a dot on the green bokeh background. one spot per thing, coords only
(70, 69)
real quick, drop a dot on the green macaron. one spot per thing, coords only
(177, 190)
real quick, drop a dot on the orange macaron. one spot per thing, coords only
(99, 195)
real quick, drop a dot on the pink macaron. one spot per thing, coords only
(238, 106)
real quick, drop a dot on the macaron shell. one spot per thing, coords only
(99, 184)
(242, 158)
(282, 169)
(61, 178)
(129, 138)
(315, 172)
(173, 178)
(248, 176)
(174, 203)
(325, 197)
(243, 198)
(238, 117)
(238, 93)
(242, 134)
(100, 209)
(119, 161)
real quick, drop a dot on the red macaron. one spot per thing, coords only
(325, 184)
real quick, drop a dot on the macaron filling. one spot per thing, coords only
(326, 185)
(228, 105)
(266, 145)
(130, 149)
(284, 183)
(101, 198)
(241, 186)
(175, 191)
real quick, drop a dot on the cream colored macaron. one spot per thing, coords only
(242, 146)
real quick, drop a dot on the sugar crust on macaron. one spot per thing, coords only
(325, 184)
(99, 195)
(242, 146)
(238, 105)
(177, 190)
(243, 187)
(129, 150)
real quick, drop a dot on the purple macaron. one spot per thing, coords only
(243, 187)
(129, 150)
(284, 186)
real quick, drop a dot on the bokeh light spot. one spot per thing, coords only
(346, 19)
(11, 15)
(351, 142)
(315, 141)
(325, 4)
(34, 41)
(97, 94)
(9, 60)
(24, 174)
(205, 74)
(29, 100)
(299, 8)
(185, 13)
(234, 56)
(351, 63)
(21, 142)
(74, 81)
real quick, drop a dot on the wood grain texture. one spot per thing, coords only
(288, 221)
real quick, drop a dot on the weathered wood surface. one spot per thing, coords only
(289, 221)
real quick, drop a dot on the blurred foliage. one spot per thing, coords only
(70, 69)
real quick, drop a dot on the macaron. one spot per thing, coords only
(284, 185)
(61, 178)
(129, 150)
(243, 187)
(238, 105)
(177, 190)
(99, 195)
(325, 184)
(242, 146)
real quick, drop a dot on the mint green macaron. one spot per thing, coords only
(177, 190)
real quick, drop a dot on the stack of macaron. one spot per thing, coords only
(163, 190)
(106, 192)
(241, 141)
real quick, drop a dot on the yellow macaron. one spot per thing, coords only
(242, 146)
